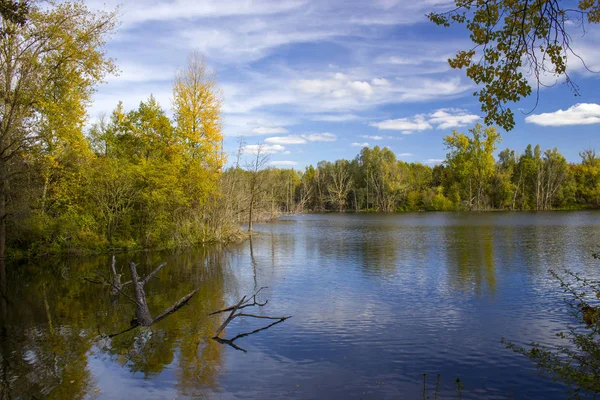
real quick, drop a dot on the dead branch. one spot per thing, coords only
(254, 303)
(243, 303)
(94, 281)
(115, 282)
(143, 316)
(151, 274)
(230, 342)
(241, 335)
(239, 308)
(183, 301)
(230, 317)
(259, 316)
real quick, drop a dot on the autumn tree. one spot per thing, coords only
(587, 175)
(197, 109)
(472, 160)
(513, 38)
(51, 56)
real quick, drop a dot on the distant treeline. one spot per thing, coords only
(470, 178)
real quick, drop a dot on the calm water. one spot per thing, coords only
(376, 300)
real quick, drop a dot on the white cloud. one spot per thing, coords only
(320, 137)
(335, 117)
(292, 139)
(406, 125)
(579, 114)
(141, 11)
(302, 139)
(264, 149)
(255, 123)
(379, 137)
(380, 82)
(283, 163)
(443, 118)
(415, 59)
(338, 87)
(405, 155)
(446, 118)
(434, 161)
(267, 130)
(372, 137)
(355, 144)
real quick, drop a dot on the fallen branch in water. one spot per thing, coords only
(243, 303)
(115, 282)
(255, 303)
(142, 312)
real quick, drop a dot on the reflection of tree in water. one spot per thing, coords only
(53, 318)
(470, 257)
(379, 256)
(185, 332)
(45, 340)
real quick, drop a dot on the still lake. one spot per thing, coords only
(376, 301)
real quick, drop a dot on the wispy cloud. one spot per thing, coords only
(320, 137)
(335, 117)
(284, 163)
(356, 144)
(406, 125)
(405, 155)
(285, 140)
(446, 118)
(378, 137)
(264, 149)
(443, 118)
(579, 114)
(266, 130)
(434, 161)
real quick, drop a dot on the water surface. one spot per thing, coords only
(376, 301)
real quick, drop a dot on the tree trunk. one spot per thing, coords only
(250, 212)
(142, 313)
(3, 201)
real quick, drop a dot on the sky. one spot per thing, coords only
(319, 80)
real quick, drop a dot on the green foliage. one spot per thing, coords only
(135, 181)
(576, 361)
(512, 36)
(471, 178)
(472, 161)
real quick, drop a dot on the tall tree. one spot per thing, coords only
(49, 63)
(256, 167)
(472, 160)
(340, 183)
(197, 109)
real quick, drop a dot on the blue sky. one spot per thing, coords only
(318, 80)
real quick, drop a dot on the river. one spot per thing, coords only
(376, 302)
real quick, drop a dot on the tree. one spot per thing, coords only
(512, 36)
(14, 12)
(197, 109)
(256, 168)
(555, 172)
(340, 184)
(50, 59)
(587, 177)
(472, 160)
